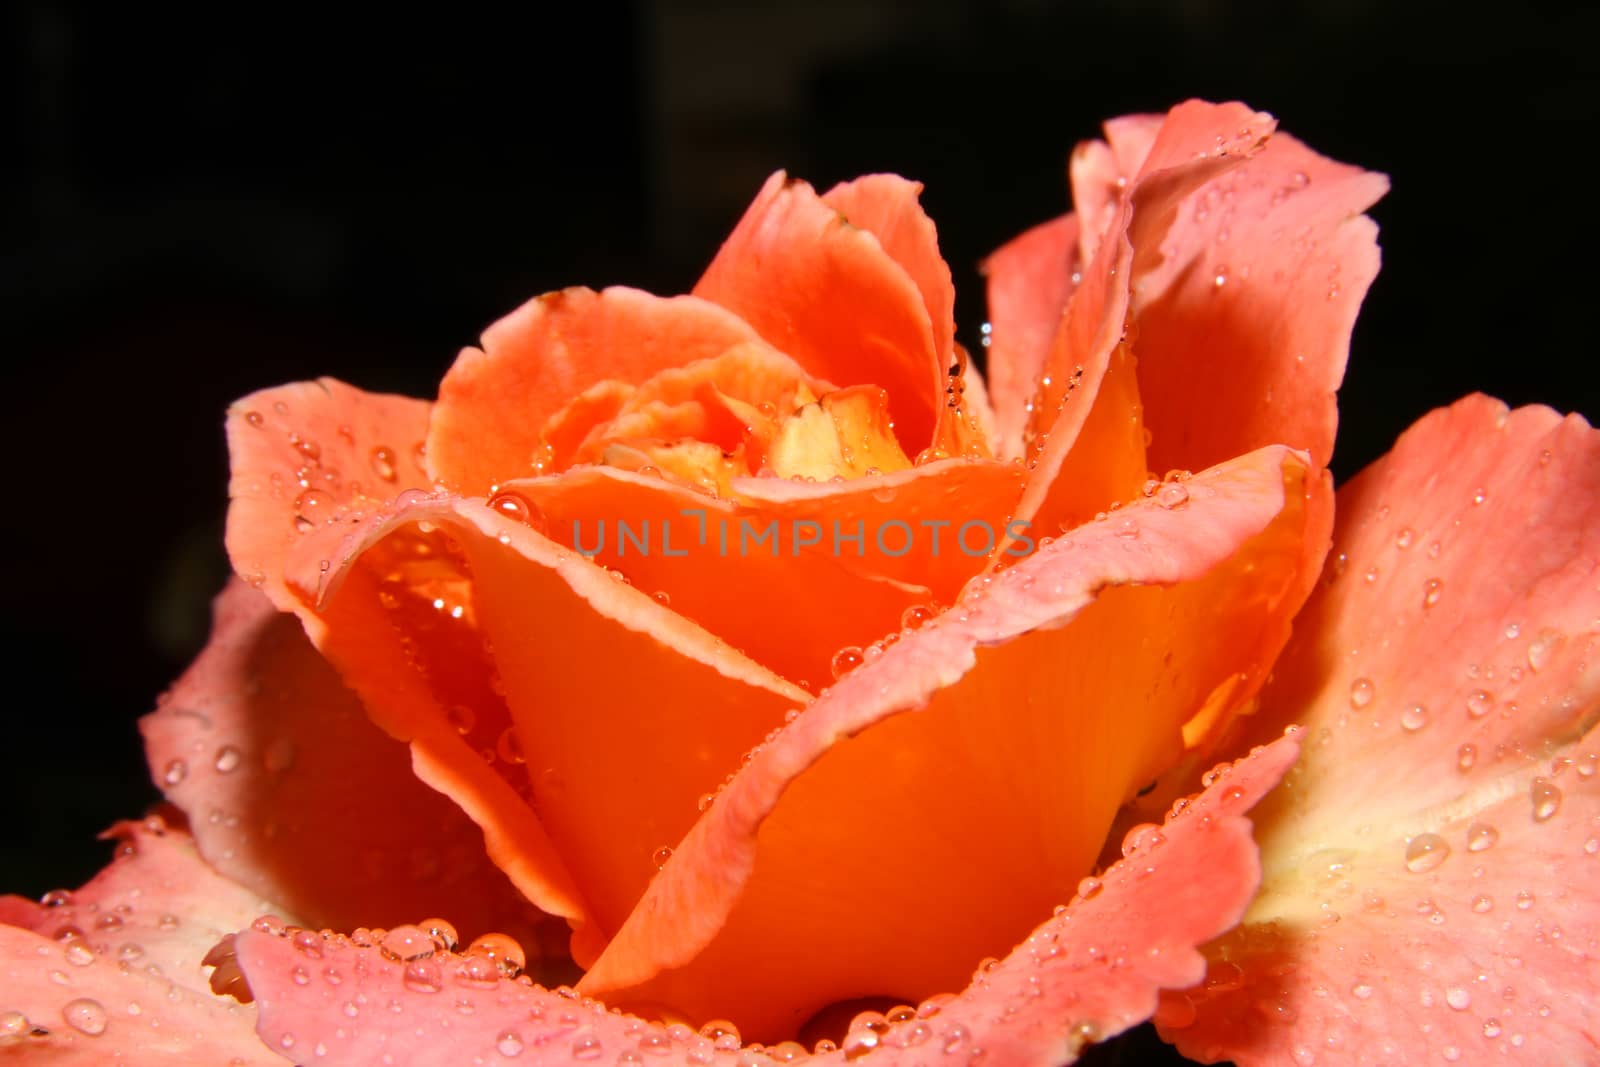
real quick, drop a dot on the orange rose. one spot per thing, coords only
(756, 640)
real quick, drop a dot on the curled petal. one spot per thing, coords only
(1429, 867)
(873, 814)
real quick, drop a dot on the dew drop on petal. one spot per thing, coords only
(174, 772)
(509, 1044)
(509, 746)
(1432, 590)
(502, 949)
(1480, 836)
(1482, 903)
(1546, 799)
(1479, 703)
(1458, 999)
(1466, 756)
(846, 660)
(85, 1015)
(661, 856)
(1414, 718)
(422, 976)
(228, 759)
(1361, 692)
(1425, 852)
(382, 459)
(407, 942)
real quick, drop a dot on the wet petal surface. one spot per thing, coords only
(112, 972)
(1429, 866)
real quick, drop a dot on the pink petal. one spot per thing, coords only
(306, 459)
(259, 742)
(112, 972)
(1261, 278)
(1085, 440)
(1030, 280)
(1081, 691)
(1430, 867)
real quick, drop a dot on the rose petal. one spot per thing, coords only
(1262, 276)
(1094, 969)
(1087, 973)
(867, 846)
(130, 987)
(1030, 279)
(1085, 440)
(577, 771)
(259, 742)
(1445, 677)
(827, 293)
(441, 1011)
(494, 401)
(307, 459)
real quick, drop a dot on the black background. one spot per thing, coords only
(198, 205)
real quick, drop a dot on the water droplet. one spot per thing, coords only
(1482, 903)
(846, 660)
(1546, 799)
(517, 508)
(1541, 648)
(227, 760)
(661, 856)
(86, 1016)
(382, 459)
(1432, 590)
(1466, 756)
(509, 746)
(442, 933)
(1361, 692)
(509, 1044)
(1425, 852)
(1089, 888)
(254, 418)
(1142, 838)
(503, 950)
(462, 718)
(1480, 835)
(77, 953)
(1458, 999)
(915, 617)
(587, 1047)
(422, 976)
(1414, 718)
(407, 942)
(174, 772)
(1479, 703)
(1172, 495)
(1403, 539)
(1524, 900)
(1361, 991)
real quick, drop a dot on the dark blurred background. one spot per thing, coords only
(199, 205)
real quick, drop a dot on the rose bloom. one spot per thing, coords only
(1303, 780)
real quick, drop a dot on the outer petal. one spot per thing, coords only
(867, 845)
(506, 683)
(1030, 280)
(827, 293)
(292, 790)
(1085, 443)
(1256, 295)
(1430, 867)
(493, 403)
(1087, 973)
(112, 972)
(307, 460)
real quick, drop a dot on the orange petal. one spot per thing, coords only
(1085, 442)
(260, 743)
(112, 971)
(1077, 667)
(1087, 973)
(577, 771)
(307, 460)
(844, 435)
(827, 293)
(494, 402)
(1030, 280)
(1430, 866)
